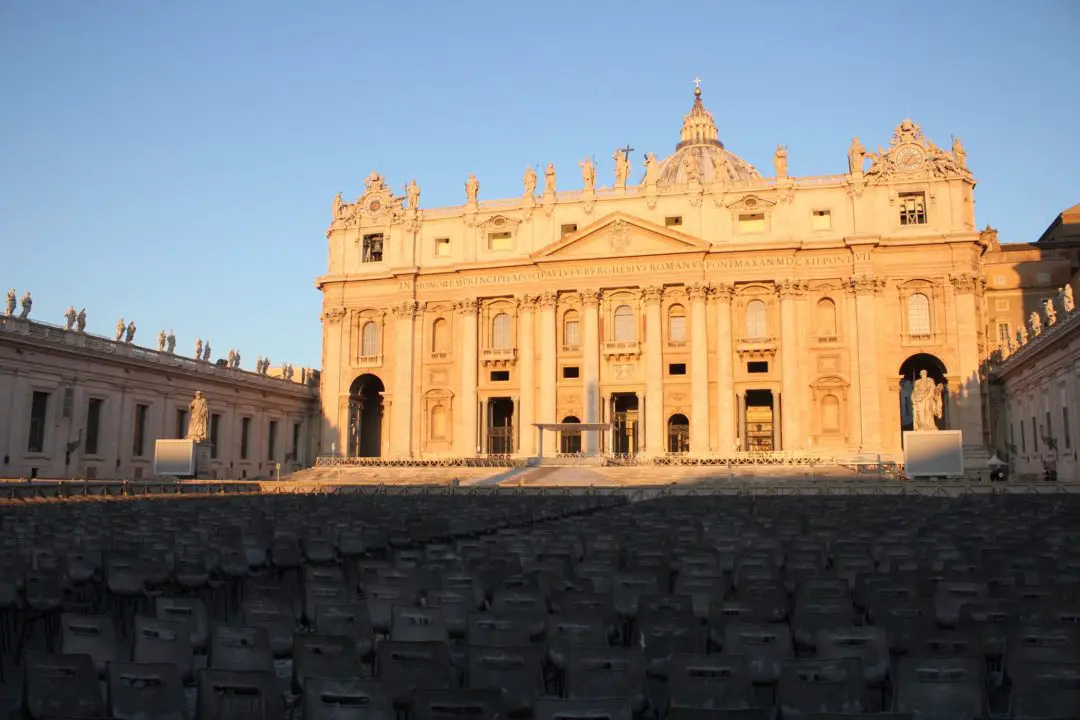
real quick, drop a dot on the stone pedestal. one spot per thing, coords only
(933, 453)
(203, 470)
(182, 459)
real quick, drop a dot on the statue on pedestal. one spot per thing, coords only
(80, 321)
(959, 154)
(588, 174)
(652, 168)
(926, 402)
(170, 343)
(27, 303)
(161, 340)
(1051, 314)
(258, 365)
(121, 326)
(70, 316)
(529, 181)
(622, 166)
(130, 337)
(472, 189)
(780, 161)
(1036, 324)
(1021, 337)
(9, 309)
(856, 156)
(206, 351)
(198, 348)
(236, 358)
(199, 419)
(1067, 300)
(412, 191)
(549, 179)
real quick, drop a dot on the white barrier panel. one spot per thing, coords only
(933, 453)
(174, 458)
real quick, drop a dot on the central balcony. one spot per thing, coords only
(498, 357)
(756, 348)
(622, 349)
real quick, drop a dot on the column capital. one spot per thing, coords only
(467, 306)
(792, 289)
(406, 309)
(652, 294)
(591, 297)
(723, 292)
(864, 285)
(332, 316)
(528, 303)
(964, 282)
(698, 291)
(548, 299)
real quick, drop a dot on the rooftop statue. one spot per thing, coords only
(70, 317)
(170, 343)
(1067, 300)
(652, 169)
(529, 181)
(856, 156)
(549, 178)
(588, 173)
(9, 309)
(959, 153)
(412, 191)
(161, 340)
(27, 303)
(121, 326)
(622, 166)
(1036, 324)
(1048, 309)
(80, 321)
(780, 161)
(130, 337)
(472, 189)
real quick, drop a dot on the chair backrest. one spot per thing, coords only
(60, 686)
(191, 612)
(232, 695)
(517, 670)
(495, 629)
(146, 690)
(949, 687)
(92, 635)
(1045, 690)
(346, 699)
(767, 646)
(716, 682)
(326, 656)
(576, 709)
(413, 624)
(163, 641)
(407, 666)
(813, 684)
(1029, 643)
(245, 648)
(597, 672)
(477, 704)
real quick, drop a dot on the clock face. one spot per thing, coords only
(909, 158)
(374, 205)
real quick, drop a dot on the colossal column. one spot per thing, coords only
(699, 370)
(969, 395)
(404, 330)
(866, 289)
(548, 352)
(654, 372)
(466, 400)
(790, 292)
(332, 388)
(590, 302)
(725, 379)
(526, 408)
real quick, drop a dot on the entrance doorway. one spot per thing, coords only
(909, 373)
(759, 430)
(678, 434)
(500, 426)
(365, 416)
(570, 440)
(624, 423)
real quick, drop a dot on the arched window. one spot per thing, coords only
(918, 309)
(440, 336)
(755, 319)
(500, 331)
(440, 422)
(624, 324)
(676, 327)
(571, 330)
(369, 339)
(830, 414)
(826, 318)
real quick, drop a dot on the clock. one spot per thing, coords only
(374, 206)
(909, 158)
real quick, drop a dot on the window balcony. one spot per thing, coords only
(498, 357)
(367, 361)
(756, 348)
(620, 349)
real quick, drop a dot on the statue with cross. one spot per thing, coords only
(622, 165)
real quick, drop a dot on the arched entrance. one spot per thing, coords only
(570, 440)
(678, 434)
(365, 416)
(910, 371)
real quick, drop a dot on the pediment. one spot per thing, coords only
(620, 235)
(750, 203)
(497, 223)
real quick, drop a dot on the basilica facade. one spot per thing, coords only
(701, 307)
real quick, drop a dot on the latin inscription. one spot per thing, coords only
(638, 268)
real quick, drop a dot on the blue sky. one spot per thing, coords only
(175, 162)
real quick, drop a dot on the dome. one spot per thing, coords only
(701, 153)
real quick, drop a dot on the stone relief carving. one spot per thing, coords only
(964, 283)
(792, 289)
(619, 235)
(652, 294)
(910, 154)
(333, 316)
(697, 291)
(864, 284)
(467, 306)
(528, 303)
(591, 297)
(406, 309)
(548, 299)
(623, 371)
(723, 292)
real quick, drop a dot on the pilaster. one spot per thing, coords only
(866, 289)
(790, 293)
(590, 302)
(402, 419)
(699, 369)
(525, 407)
(465, 427)
(654, 372)
(725, 391)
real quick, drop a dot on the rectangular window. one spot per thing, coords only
(677, 329)
(39, 407)
(1000, 305)
(571, 372)
(757, 366)
(500, 241)
(372, 248)
(1012, 436)
(1049, 426)
(181, 423)
(1034, 435)
(1065, 428)
(138, 440)
(913, 208)
(1023, 438)
(69, 401)
(821, 220)
(296, 442)
(271, 442)
(245, 436)
(676, 369)
(673, 221)
(1003, 332)
(752, 223)
(571, 334)
(215, 433)
(500, 376)
(93, 425)
(442, 247)
(566, 229)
